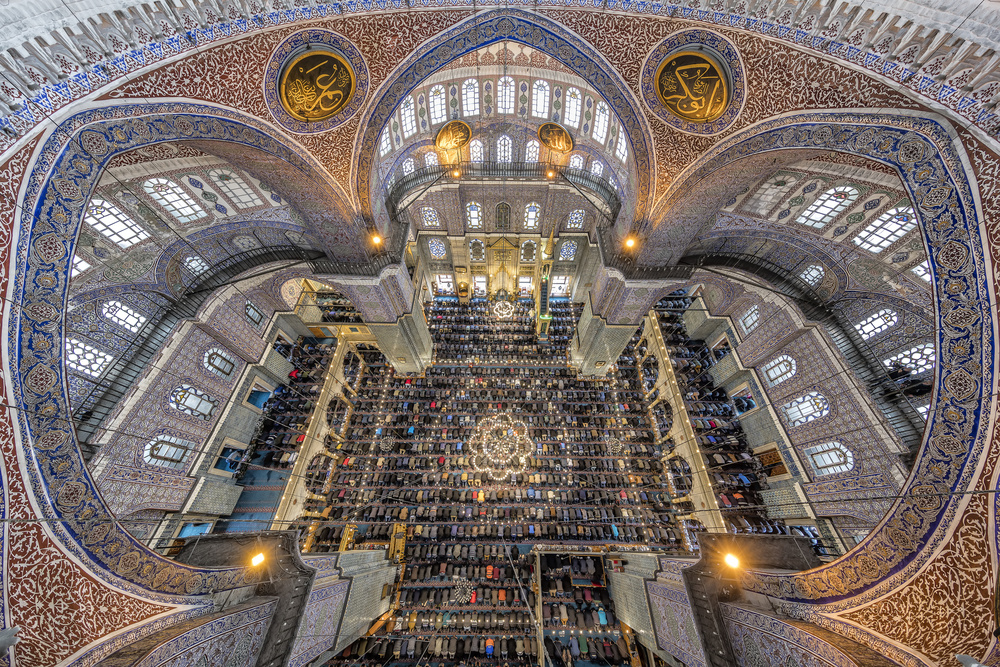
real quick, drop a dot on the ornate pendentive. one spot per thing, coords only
(693, 80)
(693, 86)
(316, 85)
(314, 81)
(555, 137)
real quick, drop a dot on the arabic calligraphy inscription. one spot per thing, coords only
(555, 137)
(316, 85)
(692, 86)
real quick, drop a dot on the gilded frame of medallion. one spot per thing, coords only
(566, 133)
(711, 46)
(291, 49)
(709, 57)
(295, 59)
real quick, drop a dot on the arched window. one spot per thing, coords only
(920, 358)
(602, 116)
(470, 97)
(86, 359)
(770, 193)
(567, 251)
(887, 229)
(575, 219)
(830, 458)
(123, 316)
(111, 221)
(408, 117)
(430, 159)
(528, 251)
(384, 144)
(437, 249)
(531, 151)
(805, 409)
(531, 214)
(477, 250)
(437, 103)
(253, 314)
(778, 369)
(167, 451)
(876, 323)
(503, 217)
(576, 162)
(750, 319)
(430, 217)
(190, 401)
(828, 206)
(195, 264)
(235, 188)
(408, 166)
(505, 149)
(79, 266)
(170, 196)
(921, 270)
(621, 145)
(597, 167)
(540, 99)
(813, 275)
(476, 150)
(474, 215)
(219, 362)
(574, 101)
(505, 95)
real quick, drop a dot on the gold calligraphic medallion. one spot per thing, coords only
(692, 86)
(453, 135)
(316, 85)
(555, 137)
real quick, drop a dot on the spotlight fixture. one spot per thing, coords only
(551, 173)
(455, 173)
(258, 559)
(376, 239)
(630, 242)
(732, 561)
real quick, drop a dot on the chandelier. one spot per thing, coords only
(463, 591)
(387, 443)
(615, 446)
(501, 446)
(504, 310)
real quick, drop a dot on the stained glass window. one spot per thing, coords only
(805, 409)
(253, 314)
(476, 150)
(813, 275)
(531, 151)
(408, 166)
(575, 219)
(85, 358)
(876, 323)
(574, 101)
(170, 196)
(437, 249)
(235, 188)
(79, 266)
(470, 97)
(430, 217)
(167, 451)
(219, 362)
(195, 264)
(505, 95)
(505, 149)
(923, 271)
(830, 458)
(567, 251)
(750, 319)
(778, 369)
(601, 119)
(191, 401)
(596, 168)
(408, 116)
(474, 215)
(540, 99)
(531, 214)
(576, 162)
(385, 144)
(920, 358)
(621, 147)
(111, 221)
(430, 159)
(887, 229)
(437, 103)
(828, 206)
(123, 316)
